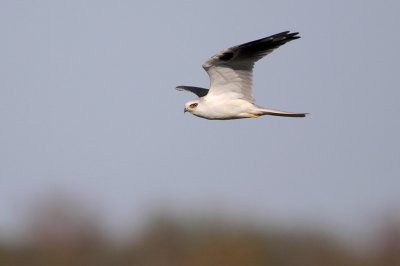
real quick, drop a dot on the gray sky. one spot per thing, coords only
(88, 107)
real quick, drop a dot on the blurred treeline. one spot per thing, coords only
(64, 235)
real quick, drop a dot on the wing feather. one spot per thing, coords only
(200, 92)
(231, 70)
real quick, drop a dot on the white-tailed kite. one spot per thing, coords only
(230, 95)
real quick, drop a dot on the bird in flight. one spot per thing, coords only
(230, 95)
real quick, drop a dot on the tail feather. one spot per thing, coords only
(281, 113)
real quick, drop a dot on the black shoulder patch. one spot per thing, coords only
(226, 56)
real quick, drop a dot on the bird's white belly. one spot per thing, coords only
(226, 109)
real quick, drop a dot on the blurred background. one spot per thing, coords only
(99, 165)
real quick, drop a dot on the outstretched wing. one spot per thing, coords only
(201, 92)
(231, 70)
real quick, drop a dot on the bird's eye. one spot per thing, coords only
(193, 105)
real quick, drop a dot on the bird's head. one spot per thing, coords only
(191, 106)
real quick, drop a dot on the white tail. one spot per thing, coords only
(264, 111)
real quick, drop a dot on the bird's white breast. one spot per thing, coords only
(221, 107)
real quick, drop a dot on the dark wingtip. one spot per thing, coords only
(200, 92)
(271, 42)
(288, 35)
(294, 35)
(285, 36)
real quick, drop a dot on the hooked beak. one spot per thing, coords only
(185, 110)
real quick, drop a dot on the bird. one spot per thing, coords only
(230, 71)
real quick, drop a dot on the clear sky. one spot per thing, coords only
(88, 107)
